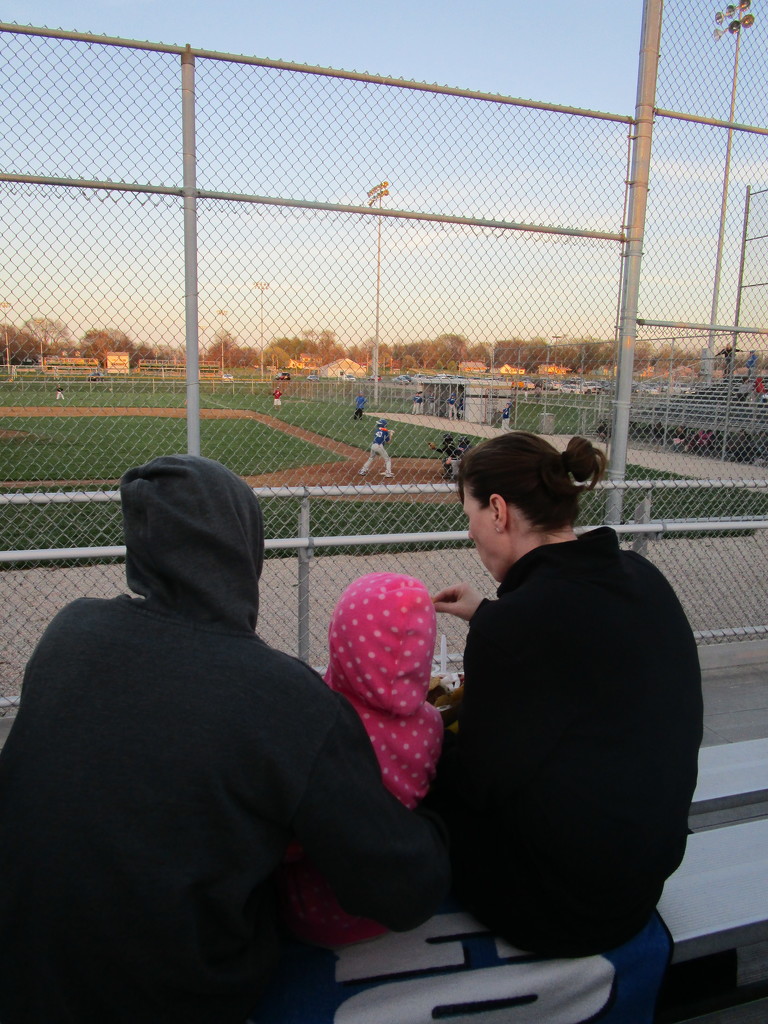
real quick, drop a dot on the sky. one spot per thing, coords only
(450, 156)
(582, 55)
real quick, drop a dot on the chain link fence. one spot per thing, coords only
(257, 261)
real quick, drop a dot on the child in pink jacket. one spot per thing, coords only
(381, 642)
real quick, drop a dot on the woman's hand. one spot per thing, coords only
(461, 600)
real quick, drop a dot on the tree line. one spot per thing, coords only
(45, 338)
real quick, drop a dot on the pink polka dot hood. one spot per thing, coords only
(381, 643)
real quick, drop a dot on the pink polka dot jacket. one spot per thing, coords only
(381, 642)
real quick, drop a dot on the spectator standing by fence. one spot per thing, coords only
(162, 760)
(728, 355)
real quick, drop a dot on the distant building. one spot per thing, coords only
(340, 367)
(512, 371)
(304, 362)
(472, 366)
(553, 370)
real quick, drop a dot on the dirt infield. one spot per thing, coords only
(339, 473)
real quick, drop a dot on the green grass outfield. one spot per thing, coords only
(101, 448)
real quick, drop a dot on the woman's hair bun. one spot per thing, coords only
(583, 461)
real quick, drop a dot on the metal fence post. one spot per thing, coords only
(633, 248)
(642, 515)
(190, 250)
(305, 556)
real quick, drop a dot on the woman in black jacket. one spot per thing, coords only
(566, 791)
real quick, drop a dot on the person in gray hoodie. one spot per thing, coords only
(162, 760)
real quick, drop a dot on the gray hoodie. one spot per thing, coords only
(162, 759)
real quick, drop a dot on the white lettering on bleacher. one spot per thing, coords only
(529, 993)
(417, 950)
(551, 991)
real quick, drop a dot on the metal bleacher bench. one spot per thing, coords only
(717, 900)
(733, 784)
(718, 897)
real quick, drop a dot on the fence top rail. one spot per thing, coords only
(312, 543)
(703, 328)
(309, 69)
(355, 490)
(308, 204)
(713, 121)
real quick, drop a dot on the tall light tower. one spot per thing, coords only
(262, 286)
(376, 195)
(223, 313)
(490, 389)
(732, 24)
(202, 328)
(40, 322)
(4, 306)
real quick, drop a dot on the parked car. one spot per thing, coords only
(313, 376)
(578, 387)
(403, 379)
(283, 375)
(98, 375)
(227, 376)
(349, 376)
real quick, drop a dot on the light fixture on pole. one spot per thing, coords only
(262, 287)
(376, 195)
(223, 313)
(39, 322)
(4, 306)
(490, 389)
(733, 23)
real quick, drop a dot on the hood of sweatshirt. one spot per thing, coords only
(381, 643)
(195, 540)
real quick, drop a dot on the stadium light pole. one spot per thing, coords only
(223, 313)
(261, 286)
(732, 26)
(38, 323)
(5, 306)
(202, 328)
(490, 389)
(376, 195)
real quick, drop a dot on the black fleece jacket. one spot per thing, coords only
(566, 792)
(162, 760)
